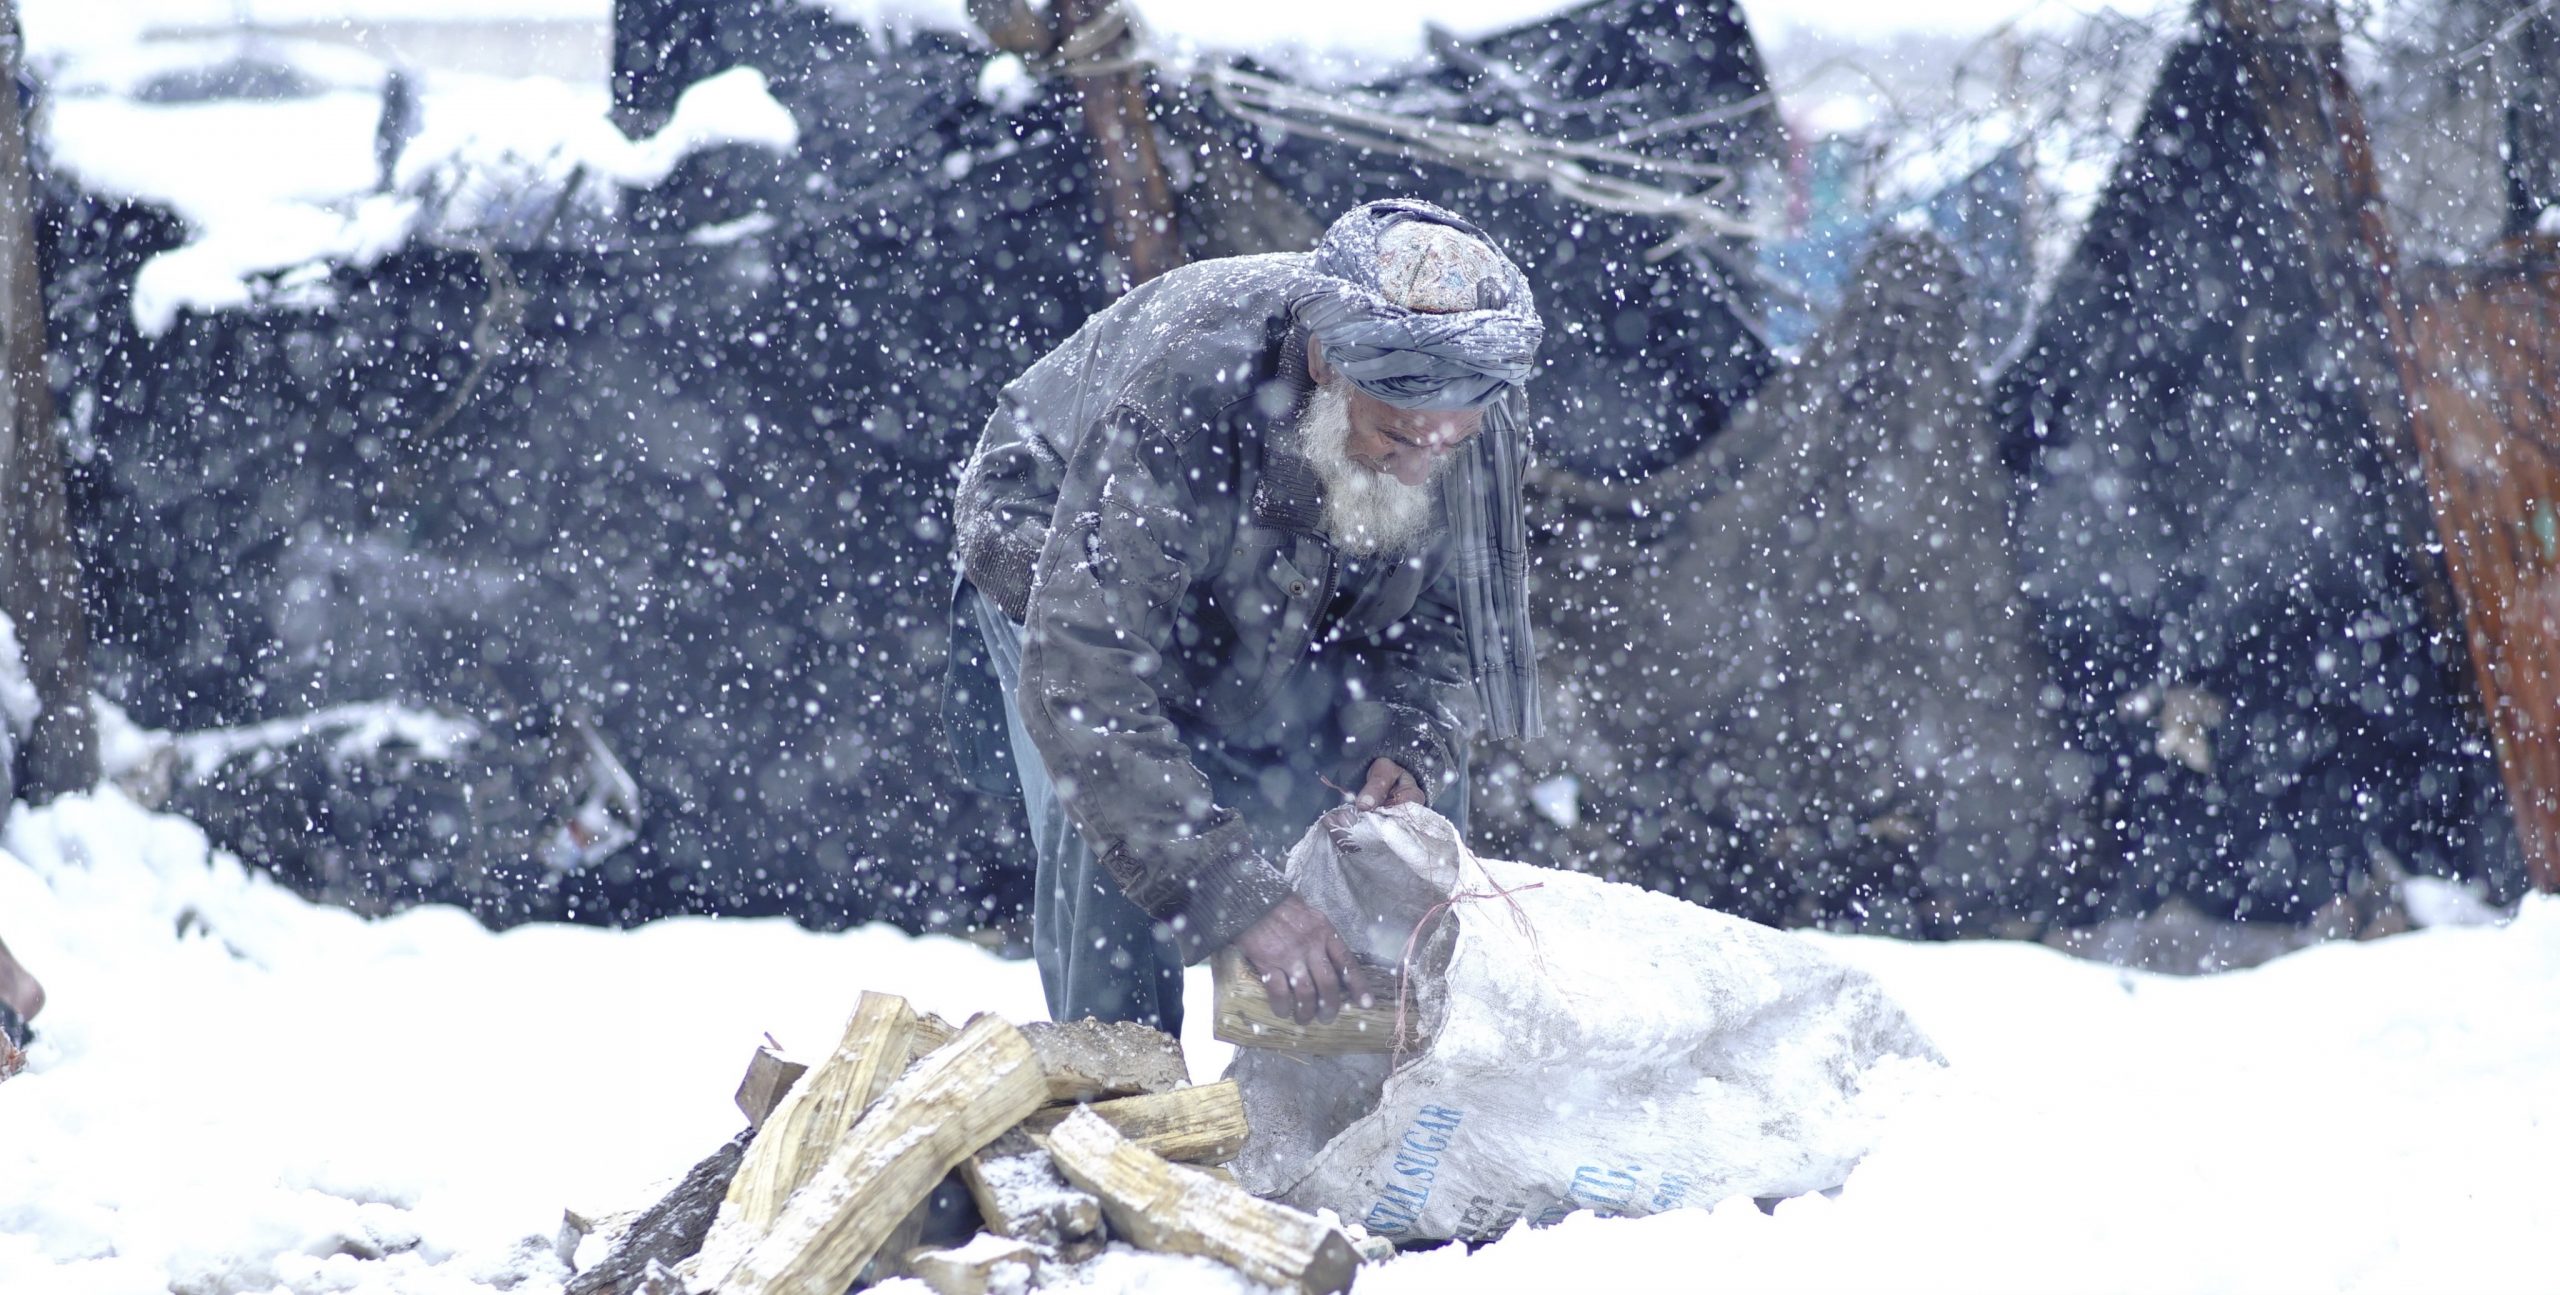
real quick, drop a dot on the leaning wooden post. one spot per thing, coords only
(1120, 132)
(39, 571)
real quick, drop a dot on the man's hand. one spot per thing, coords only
(1302, 962)
(1389, 784)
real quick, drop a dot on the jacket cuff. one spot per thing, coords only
(1207, 906)
(1412, 741)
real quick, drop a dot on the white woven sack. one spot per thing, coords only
(1591, 1046)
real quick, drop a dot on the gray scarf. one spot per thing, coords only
(1472, 359)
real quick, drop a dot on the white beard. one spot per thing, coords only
(1365, 512)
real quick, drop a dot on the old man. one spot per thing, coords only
(1248, 542)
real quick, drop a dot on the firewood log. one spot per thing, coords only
(815, 1113)
(1088, 1059)
(1246, 1020)
(1158, 1205)
(1021, 1195)
(1199, 1125)
(949, 1105)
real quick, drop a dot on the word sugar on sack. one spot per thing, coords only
(1561, 1043)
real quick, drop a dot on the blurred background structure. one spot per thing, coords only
(2006, 472)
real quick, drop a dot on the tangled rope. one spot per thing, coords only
(1115, 42)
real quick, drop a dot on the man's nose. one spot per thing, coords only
(1414, 465)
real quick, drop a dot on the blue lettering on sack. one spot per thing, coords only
(1417, 1163)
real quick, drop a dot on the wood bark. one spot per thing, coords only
(814, 1115)
(1158, 1205)
(948, 1106)
(769, 1078)
(40, 585)
(1200, 1125)
(1245, 1018)
(664, 1233)
(1020, 1194)
(1086, 1060)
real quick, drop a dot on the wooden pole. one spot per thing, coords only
(1129, 176)
(39, 571)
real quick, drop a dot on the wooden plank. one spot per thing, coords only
(1158, 1205)
(977, 1268)
(1201, 1125)
(814, 1115)
(769, 1076)
(1088, 1060)
(1021, 1195)
(952, 1103)
(39, 569)
(662, 1234)
(1245, 1019)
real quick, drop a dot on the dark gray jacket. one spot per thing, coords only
(1135, 502)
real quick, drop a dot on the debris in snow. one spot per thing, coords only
(378, 803)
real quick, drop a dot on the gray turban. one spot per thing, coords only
(1421, 323)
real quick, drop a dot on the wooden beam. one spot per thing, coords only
(663, 1234)
(1245, 1018)
(1088, 1059)
(951, 1104)
(1158, 1205)
(1200, 1125)
(814, 1115)
(1129, 177)
(1021, 1195)
(769, 1076)
(39, 569)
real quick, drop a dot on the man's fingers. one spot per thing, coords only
(1303, 985)
(1355, 983)
(1275, 986)
(1379, 788)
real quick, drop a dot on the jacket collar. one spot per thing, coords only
(1289, 495)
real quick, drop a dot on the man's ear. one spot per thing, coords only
(1317, 370)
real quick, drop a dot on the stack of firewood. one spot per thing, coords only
(1066, 1137)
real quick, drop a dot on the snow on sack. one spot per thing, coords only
(1590, 1046)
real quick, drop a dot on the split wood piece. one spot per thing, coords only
(1158, 1205)
(769, 1076)
(1246, 1020)
(1021, 1195)
(1201, 1125)
(1088, 1059)
(814, 1115)
(952, 1103)
(931, 1032)
(662, 1234)
(978, 1268)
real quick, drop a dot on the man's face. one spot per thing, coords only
(1411, 445)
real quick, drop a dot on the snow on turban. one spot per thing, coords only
(1420, 309)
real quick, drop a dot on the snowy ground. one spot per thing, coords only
(235, 1091)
